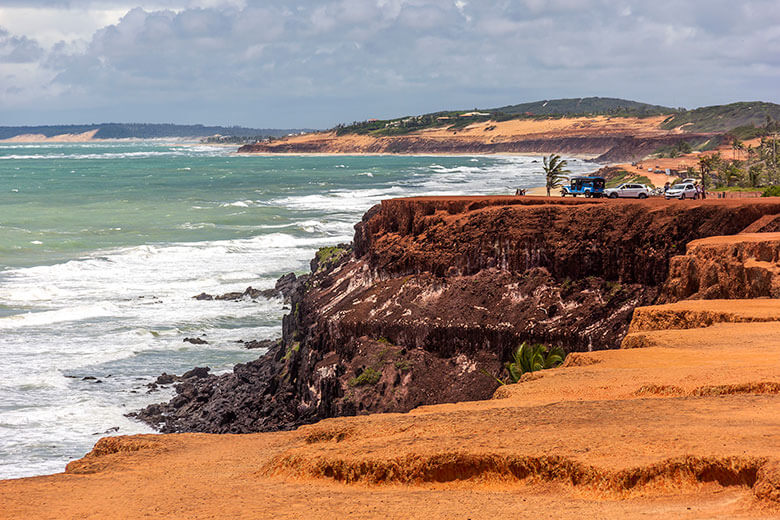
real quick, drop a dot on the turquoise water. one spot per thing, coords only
(103, 245)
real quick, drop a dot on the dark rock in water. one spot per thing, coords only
(195, 341)
(288, 284)
(284, 288)
(249, 399)
(110, 430)
(263, 343)
(197, 373)
(166, 379)
(250, 293)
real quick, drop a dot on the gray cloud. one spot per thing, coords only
(317, 63)
(18, 49)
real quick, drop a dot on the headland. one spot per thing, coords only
(666, 402)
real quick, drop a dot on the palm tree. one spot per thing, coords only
(554, 171)
(707, 165)
(736, 144)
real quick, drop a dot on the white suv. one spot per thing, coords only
(637, 191)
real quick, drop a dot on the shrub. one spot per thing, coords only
(368, 376)
(772, 191)
(530, 358)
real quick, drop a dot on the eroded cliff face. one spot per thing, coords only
(733, 267)
(605, 148)
(438, 291)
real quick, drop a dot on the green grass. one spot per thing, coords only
(771, 191)
(588, 106)
(723, 118)
(737, 188)
(296, 346)
(327, 256)
(369, 376)
(403, 365)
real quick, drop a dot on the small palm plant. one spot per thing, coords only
(530, 358)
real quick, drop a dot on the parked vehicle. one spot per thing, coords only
(682, 191)
(628, 190)
(587, 186)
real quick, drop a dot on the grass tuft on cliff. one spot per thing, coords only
(326, 257)
(369, 376)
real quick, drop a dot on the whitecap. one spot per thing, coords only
(38, 319)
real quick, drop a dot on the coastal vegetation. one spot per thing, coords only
(723, 118)
(531, 358)
(622, 176)
(743, 120)
(554, 171)
(748, 167)
(325, 257)
(589, 106)
(369, 376)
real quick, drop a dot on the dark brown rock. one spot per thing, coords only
(438, 290)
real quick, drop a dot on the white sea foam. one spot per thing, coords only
(124, 311)
(40, 319)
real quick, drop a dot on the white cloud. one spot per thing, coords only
(329, 59)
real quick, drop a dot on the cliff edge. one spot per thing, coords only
(435, 292)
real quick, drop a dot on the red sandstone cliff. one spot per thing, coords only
(439, 289)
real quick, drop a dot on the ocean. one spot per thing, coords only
(103, 246)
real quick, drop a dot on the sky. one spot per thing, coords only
(313, 64)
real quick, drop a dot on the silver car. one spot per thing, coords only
(628, 190)
(682, 191)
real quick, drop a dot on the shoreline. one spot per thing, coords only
(666, 413)
(583, 157)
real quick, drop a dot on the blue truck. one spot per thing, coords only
(587, 186)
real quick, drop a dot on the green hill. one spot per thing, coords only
(586, 106)
(723, 118)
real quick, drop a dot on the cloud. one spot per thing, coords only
(18, 49)
(334, 60)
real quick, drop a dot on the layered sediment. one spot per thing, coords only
(437, 292)
(745, 266)
(604, 138)
(681, 421)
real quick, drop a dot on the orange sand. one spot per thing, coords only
(497, 132)
(687, 427)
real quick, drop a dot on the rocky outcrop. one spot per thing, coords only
(437, 293)
(732, 267)
(283, 288)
